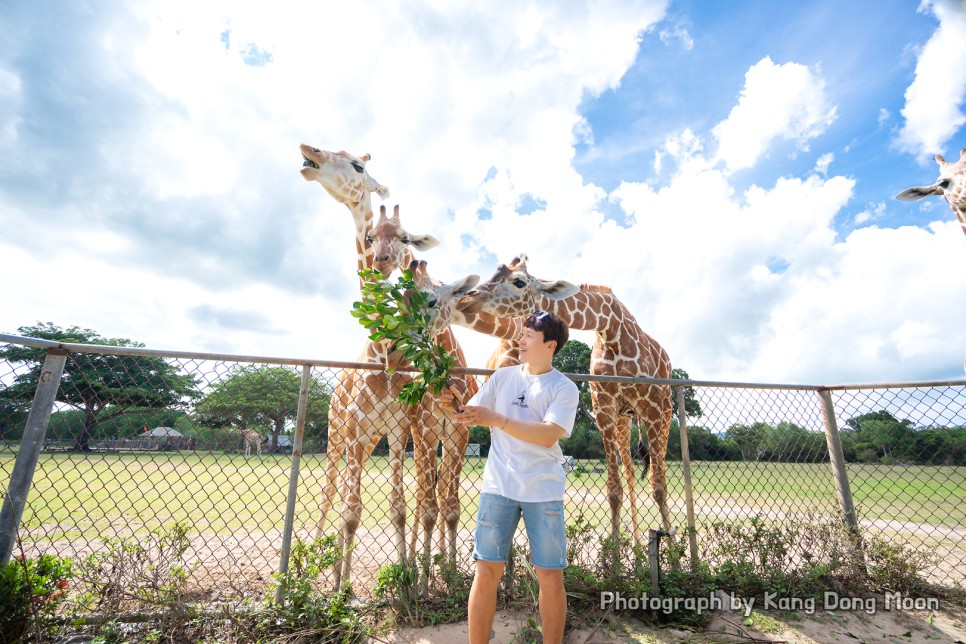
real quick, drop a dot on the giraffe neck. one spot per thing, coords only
(618, 333)
(958, 205)
(590, 310)
(498, 327)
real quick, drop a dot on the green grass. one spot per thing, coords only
(78, 496)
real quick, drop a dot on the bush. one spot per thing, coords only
(30, 589)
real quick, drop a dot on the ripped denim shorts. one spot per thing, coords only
(497, 521)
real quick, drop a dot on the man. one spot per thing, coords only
(528, 408)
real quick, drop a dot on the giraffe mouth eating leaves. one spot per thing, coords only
(307, 162)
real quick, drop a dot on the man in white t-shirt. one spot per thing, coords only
(528, 408)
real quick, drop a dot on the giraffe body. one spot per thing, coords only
(951, 185)
(621, 348)
(250, 438)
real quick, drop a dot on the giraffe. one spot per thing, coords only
(250, 437)
(951, 184)
(434, 429)
(346, 179)
(363, 405)
(621, 348)
(390, 242)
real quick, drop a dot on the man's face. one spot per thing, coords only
(533, 348)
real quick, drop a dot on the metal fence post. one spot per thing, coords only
(33, 441)
(686, 469)
(837, 461)
(293, 479)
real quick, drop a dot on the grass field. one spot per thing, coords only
(234, 507)
(80, 496)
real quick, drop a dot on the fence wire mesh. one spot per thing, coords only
(138, 443)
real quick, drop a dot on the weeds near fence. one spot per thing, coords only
(131, 573)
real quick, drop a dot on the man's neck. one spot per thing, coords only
(537, 369)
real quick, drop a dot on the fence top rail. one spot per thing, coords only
(71, 347)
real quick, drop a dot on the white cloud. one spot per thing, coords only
(933, 110)
(872, 212)
(677, 34)
(181, 190)
(823, 163)
(777, 102)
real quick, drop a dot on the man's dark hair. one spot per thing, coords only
(551, 326)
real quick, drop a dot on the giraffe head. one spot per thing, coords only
(342, 175)
(513, 292)
(951, 184)
(442, 297)
(390, 241)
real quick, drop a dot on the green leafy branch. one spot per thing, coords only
(401, 313)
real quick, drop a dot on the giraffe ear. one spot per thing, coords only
(423, 242)
(919, 192)
(465, 285)
(382, 191)
(558, 290)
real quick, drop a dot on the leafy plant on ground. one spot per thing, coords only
(401, 313)
(895, 567)
(305, 613)
(133, 573)
(30, 591)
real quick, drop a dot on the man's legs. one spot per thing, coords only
(482, 604)
(496, 521)
(553, 604)
(548, 549)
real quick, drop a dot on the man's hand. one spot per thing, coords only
(449, 403)
(472, 415)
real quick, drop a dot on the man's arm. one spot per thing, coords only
(544, 434)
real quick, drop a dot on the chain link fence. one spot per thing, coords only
(233, 451)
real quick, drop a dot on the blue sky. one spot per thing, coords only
(728, 168)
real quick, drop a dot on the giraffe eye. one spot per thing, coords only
(406, 240)
(358, 167)
(943, 183)
(519, 283)
(368, 240)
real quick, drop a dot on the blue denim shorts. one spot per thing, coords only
(497, 521)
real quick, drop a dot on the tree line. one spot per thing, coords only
(110, 396)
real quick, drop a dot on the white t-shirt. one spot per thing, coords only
(517, 469)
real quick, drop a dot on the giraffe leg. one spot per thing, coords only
(351, 512)
(451, 473)
(424, 451)
(607, 423)
(623, 440)
(658, 422)
(333, 461)
(397, 496)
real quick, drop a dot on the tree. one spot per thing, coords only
(103, 386)
(262, 396)
(585, 440)
(692, 408)
(749, 439)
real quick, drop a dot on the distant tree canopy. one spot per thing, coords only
(880, 437)
(104, 387)
(264, 397)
